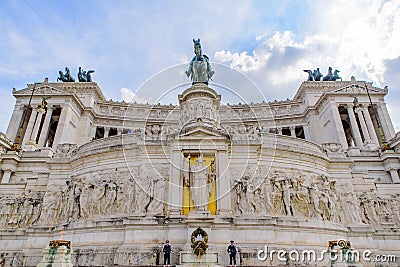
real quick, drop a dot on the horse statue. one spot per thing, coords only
(199, 70)
(84, 76)
(329, 76)
(317, 75)
(336, 75)
(310, 75)
(67, 77)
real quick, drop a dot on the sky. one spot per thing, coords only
(134, 46)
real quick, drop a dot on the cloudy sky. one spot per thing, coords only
(128, 43)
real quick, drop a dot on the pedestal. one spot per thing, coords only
(187, 259)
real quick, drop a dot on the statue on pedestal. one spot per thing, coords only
(199, 70)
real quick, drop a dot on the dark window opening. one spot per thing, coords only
(344, 116)
(36, 138)
(99, 133)
(55, 117)
(299, 131)
(286, 131)
(273, 130)
(112, 132)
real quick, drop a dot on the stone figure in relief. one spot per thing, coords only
(286, 196)
(314, 198)
(200, 189)
(350, 208)
(157, 193)
(395, 203)
(269, 196)
(85, 201)
(50, 207)
(199, 70)
(97, 197)
(110, 197)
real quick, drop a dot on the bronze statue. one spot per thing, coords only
(199, 70)
(67, 77)
(84, 76)
(317, 75)
(310, 75)
(329, 76)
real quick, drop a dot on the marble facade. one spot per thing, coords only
(118, 179)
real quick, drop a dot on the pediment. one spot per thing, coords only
(357, 89)
(43, 89)
(202, 131)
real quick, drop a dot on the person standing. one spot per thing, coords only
(232, 250)
(167, 253)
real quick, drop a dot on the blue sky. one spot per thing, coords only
(127, 42)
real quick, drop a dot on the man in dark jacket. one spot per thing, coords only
(232, 250)
(167, 253)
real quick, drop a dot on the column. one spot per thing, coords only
(6, 177)
(223, 184)
(292, 131)
(58, 138)
(339, 125)
(175, 187)
(29, 127)
(45, 128)
(36, 127)
(388, 121)
(370, 125)
(279, 129)
(364, 128)
(106, 131)
(119, 131)
(15, 122)
(395, 176)
(354, 126)
(382, 122)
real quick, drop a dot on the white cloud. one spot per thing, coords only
(128, 95)
(357, 43)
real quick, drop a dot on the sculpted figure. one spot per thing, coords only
(157, 194)
(84, 76)
(317, 75)
(314, 198)
(65, 77)
(395, 201)
(336, 75)
(97, 197)
(86, 210)
(110, 198)
(199, 188)
(51, 205)
(310, 75)
(286, 197)
(199, 70)
(269, 197)
(329, 76)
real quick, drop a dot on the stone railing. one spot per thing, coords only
(292, 144)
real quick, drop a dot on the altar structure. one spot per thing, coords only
(118, 179)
